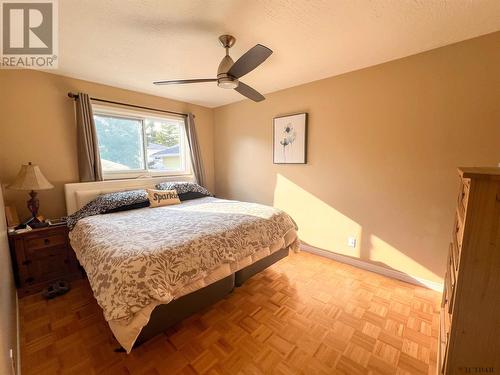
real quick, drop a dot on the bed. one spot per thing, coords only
(149, 268)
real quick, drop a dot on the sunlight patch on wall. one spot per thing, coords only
(319, 224)
(323, 227)
(381, 252)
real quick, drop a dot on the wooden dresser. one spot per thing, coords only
(41, 257)
(469, 340)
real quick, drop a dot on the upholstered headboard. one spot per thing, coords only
(79, 194)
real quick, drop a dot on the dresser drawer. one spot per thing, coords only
(458, 233)
(455, 253)
(444, 338)
(447, 291)
(450, 282)
(449, 285)
(463, 196)
(45, 242)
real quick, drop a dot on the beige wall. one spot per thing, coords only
(8, 318)
(37, 124)
(384, 144)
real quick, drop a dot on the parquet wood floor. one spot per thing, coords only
(304, 315)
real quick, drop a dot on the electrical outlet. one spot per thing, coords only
(351, 242)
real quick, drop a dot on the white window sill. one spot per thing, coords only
(139, 175)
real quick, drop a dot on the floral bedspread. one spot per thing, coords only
(136, 257)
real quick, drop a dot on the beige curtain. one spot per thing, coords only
(89, 162)
(196, 160)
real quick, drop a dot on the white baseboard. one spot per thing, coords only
(394, 274)
(18, 329)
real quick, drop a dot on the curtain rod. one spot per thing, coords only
(75, 96)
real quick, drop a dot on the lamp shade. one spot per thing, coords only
(30, 177)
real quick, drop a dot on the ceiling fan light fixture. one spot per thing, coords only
(227, 83)
(229, 72)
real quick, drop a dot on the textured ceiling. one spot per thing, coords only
(129, 44)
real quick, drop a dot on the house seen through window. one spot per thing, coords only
(132, 144)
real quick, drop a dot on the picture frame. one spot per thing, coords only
(290, 139)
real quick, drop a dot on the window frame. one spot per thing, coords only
(112, 111)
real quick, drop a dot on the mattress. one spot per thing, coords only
(138, 259)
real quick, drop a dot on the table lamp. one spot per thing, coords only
(30, 178)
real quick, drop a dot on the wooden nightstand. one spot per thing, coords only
(41, 257)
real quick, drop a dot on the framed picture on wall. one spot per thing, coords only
(290, 139)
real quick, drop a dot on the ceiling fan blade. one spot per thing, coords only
(249, 92)
(183, 81)
(250, 60)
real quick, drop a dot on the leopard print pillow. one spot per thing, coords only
(110, 202)
(183, 188)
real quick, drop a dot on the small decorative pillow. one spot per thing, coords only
(184, 188)
(110, 202)
(158, 198)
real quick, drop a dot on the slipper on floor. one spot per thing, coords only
(50, 292)
(58, 288)
(61, 286)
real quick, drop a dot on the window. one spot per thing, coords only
(132, 144)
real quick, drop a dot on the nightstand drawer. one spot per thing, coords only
(32, 254)
(42, 243)
(47, 268)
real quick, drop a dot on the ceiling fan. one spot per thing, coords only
(229, 72)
